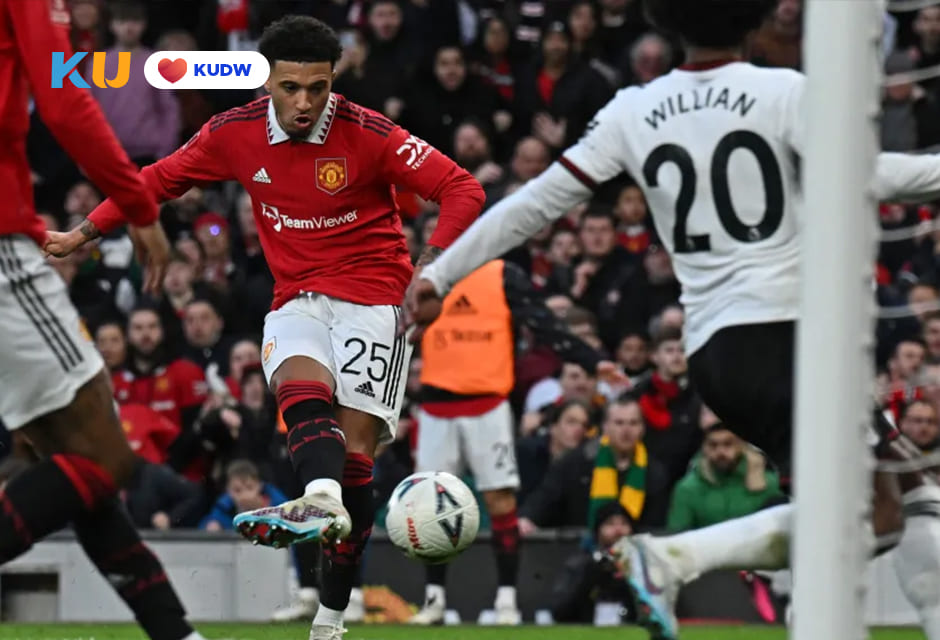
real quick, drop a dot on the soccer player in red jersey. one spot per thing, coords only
(321, 172)
(53, 386)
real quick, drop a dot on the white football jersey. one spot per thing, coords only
(716, 152)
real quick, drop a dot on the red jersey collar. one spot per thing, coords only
(317, 135)
(710, 64)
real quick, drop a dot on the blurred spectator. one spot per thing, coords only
(244, 491)
(901, 382)
(565, 428)
(440, 103)
(662, 288)
(583, 25)
(918, 422)
(633, 354)
(202, 330)
(146, 120)
(87, 29)
(670, 407)
(615, 468)
(244, 355)
(606, 279)
(648, 58)
(194, 108)
(926, 51)
(173, 388)
(495, 61)
(729, 479)
(149, 434)
(473, 152)
(910, 117)
(159, 498)
(179, 289)
(111, 344)
(633, 226)
(923, 298)
(583, 324)
(530, 158)
(561, 94)
(212, 233)
(932, 337)
(590, 587)
(621, 24)
(574, 382)
(778, 43)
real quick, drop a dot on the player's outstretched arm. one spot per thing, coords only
(903, 177)
(72, 114)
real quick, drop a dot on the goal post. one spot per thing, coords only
(835, 375)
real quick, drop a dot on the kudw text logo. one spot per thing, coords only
(206, 69)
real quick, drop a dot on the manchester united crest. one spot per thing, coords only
(331, 174)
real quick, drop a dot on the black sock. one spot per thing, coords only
(506, 546)
(341, 563)
(307, 556)
(316, 444)
(115, 547)
(437, 574)
(46, 497)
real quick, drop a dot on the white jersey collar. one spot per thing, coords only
(317, 135)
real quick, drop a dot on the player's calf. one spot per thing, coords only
(501, 505)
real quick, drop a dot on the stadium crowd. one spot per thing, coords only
(502, 86)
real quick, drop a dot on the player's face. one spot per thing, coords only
(624, 426)
(632, 353)
(722, 449)
(569, 430)
(299, 91)
(144, 332)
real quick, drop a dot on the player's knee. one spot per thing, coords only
(500, 501)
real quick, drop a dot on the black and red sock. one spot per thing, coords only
(316, 443)
(506, 546)
(114, 546)
(46, 497)
(341, 563)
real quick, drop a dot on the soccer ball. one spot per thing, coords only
(432, 517)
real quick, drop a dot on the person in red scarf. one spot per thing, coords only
(670, 407)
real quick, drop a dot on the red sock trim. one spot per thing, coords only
(506, 522)
(290, 393)
(18, 523)
(357, 471)
(92, 482)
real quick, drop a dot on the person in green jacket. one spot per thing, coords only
(727, 479)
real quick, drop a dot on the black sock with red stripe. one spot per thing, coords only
(114, 546)
(341, 563)
(316, 444)
(506, 546)
(46, 497)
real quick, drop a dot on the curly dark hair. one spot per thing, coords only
(709, 23)
(299, 39)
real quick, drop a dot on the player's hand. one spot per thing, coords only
(60, 244)
(612, 374)
(421, 308)
(153, 252)
(526, 527)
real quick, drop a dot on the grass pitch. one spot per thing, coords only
(378, 632)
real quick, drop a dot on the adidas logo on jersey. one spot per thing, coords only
(462, 306)
(365, 389)
(262, 176)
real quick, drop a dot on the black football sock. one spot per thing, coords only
(436, 574)
(46, 497)
(316, 444)
(114, 546)
(341, 563)
(307, 556)
(506, 546)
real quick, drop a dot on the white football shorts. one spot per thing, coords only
(483, 443)
(46, 354)
(356, 343)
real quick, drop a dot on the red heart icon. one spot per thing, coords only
(172, 70)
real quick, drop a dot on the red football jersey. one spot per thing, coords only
(149, 433)
(170, 389)
(324, 206)
(30, 30)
